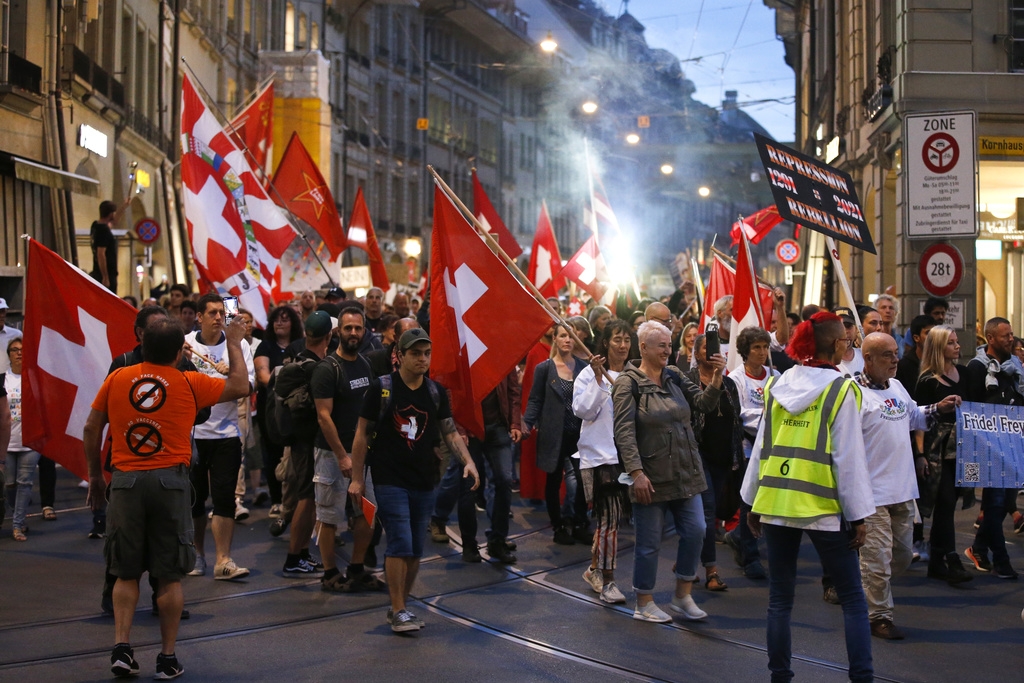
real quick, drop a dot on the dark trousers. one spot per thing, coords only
(553, 486)
(272, 454)
(943, 533)
(990, 533)
(716, 477)
(47, 482)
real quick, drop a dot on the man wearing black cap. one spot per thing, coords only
(404, 414)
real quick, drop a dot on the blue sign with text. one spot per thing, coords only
(990, 445)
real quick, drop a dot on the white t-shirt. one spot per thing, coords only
(223, 422)
(853, 367)
(7, 335)
(751, 392)
(887, 417)
(12, 383)
(592, 403)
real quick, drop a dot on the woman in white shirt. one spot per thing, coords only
(21, 461)
(599, 460)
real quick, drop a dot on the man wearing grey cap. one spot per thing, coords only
(7, 335)
(405, 414)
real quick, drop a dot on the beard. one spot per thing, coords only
(725, 325)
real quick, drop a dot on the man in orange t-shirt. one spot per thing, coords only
(151, 408)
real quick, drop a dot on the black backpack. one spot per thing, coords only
(290, 410)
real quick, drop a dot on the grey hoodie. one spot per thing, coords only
(797, 389)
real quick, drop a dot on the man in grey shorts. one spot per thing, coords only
(151, 408)
(337, 386)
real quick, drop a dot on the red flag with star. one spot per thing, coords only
(302, 190)
(74, 328)
(361, 234)
(756, 225)
(253, 130)
(490, 219)
(473, 349)
(586, 268)
(545, 261)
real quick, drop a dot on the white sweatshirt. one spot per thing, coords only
(797, 389)
(592, 403)
(223, 422)
(853, 367)
(751, 392)
(888, 416)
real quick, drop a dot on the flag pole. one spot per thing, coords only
(833, 251)
(252, 160)
(496, 248)
(732, 262)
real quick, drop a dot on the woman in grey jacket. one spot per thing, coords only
(658, 449)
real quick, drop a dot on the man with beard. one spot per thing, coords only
(401, 306)
(337, 386)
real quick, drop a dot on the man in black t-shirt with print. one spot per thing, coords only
(337, 386)
(401, 417)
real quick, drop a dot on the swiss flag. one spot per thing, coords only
(303, 191)
(361, 234)
(586, 268)
(486, 214)
(723, 282)
(253, 129)
(482, 320)
(74, 328)
(756, 225)
(747, 311)
(236, 232)
(545, 261)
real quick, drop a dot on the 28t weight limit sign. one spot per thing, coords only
(941, 269)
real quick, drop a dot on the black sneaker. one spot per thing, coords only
(563, 536)
(1004, 571)
(301, 570)
(99, 527)
(278, 526)
(167, 667)
(955, 572)
(122, 661)
(500, 553)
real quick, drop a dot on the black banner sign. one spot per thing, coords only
(813, 194)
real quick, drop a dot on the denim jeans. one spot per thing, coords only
(688, 516)
(842, 565)
(404, 513)
(990, 533)
(495, 452)
(21, 473)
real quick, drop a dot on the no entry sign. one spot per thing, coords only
(940, 174)
(941, 269)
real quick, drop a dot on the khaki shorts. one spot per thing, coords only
(149, 524)
(331, 488)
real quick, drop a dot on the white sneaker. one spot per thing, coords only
(200, 567)
(687, 608)
(651, 612)
(612, 595)
(228, 571)
(241, 512)
(595, 578)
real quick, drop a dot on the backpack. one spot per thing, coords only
(290, 410)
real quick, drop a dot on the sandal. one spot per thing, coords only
(49, 514)
(19, 535)
(715, 583)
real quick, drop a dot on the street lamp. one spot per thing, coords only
(667, 169)
(632, 138)
(548, 44)
(704, 191)
(589, 107)
(412, 248)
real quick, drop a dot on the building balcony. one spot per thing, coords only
(139, 123)
(876, 102)
(93, 79)
(20, 83)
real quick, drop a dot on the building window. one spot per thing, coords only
(1017, 32)
(314, 37)
(303, 31)
(289, 27)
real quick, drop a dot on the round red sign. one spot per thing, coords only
(788, 252)
(147, 230)
(941, 269)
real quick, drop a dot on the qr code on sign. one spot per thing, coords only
(972, 473)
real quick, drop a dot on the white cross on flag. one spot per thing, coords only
(482, 320)
(586, 268)
(723, 282)
(545, 261)
(73, 329)
(236, 232)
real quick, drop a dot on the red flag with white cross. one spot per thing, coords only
(482, 319)
(545, 261)
(490, 219)
(74, 328)
(253, 129)
(586, 268)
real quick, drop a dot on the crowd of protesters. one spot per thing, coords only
(846, 434)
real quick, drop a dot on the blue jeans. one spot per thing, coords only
(841, 563)
(495, 451)
(21, 473)
(688, 516)
(990, 532)
(716, 477)
(404, 513)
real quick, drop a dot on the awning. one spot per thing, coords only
(51, 177)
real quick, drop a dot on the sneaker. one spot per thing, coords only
(437, 531)
(241, 512)
(595, 578)
(980, 560)
(403, 621)
(687, 608)
(167, 667)
(651, 612)
(886, 630)
(471, 554)
(229, 571)
(278, 526)
(200, 567)
(978, 520)
(275, 511)
(955, 572)
(500, 552)
(122, 661)
(830, 595)
(611, 594)
(261, 498)
(1004, 571)
(755, 570)
(563, 536)
(1018, 523)
(99, 528)
(921, 551)
(416, 620)
(303, 569)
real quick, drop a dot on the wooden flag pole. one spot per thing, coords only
(496, 248)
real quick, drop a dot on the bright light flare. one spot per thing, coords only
(548, 44)
(632, 138)
(589, 107)
(667, 169)
(412, 247)
(704, 191)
